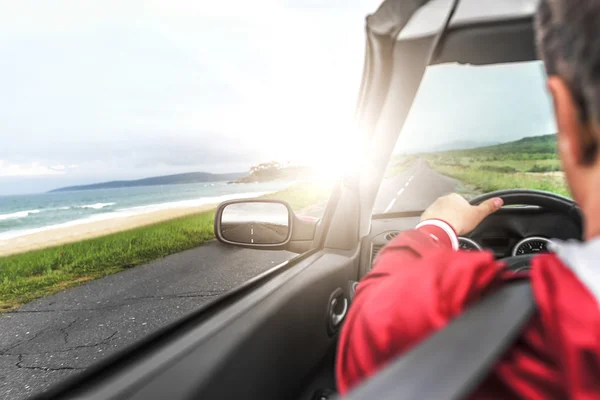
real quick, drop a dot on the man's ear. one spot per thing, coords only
(570, 127)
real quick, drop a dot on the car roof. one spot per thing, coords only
(468, 13)
(479, 31)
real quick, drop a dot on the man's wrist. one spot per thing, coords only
(440, 231)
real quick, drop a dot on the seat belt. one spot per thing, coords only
(453, 361)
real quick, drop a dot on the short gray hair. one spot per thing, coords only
(568, 40)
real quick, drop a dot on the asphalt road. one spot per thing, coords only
(255, 232)
(49, 339)
(412, 190)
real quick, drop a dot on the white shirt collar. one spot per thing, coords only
(583, 258)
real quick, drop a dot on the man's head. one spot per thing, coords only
(568, 33)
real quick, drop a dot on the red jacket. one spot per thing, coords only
(419, 283)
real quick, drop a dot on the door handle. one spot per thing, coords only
(337, 318)
(337, 308)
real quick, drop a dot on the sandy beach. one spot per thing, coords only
(68, 234)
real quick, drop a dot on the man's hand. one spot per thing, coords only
(459, 214)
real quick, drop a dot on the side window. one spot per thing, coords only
(123, 127)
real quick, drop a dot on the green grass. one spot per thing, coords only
(24, 277)
(505, 169)
(533, 147)
(486, 181)
(505, 165)
(529, 163)
(27, 276)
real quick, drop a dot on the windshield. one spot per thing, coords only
(473, 130)
(124, 124)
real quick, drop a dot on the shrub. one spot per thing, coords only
(505, 169)
(544, 168)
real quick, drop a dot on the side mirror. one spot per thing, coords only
(254, 223)
(264, 224)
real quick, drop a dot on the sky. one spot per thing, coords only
(478, 104)
(105, 90)
(95, 91)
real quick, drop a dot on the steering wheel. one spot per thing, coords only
(550, 201)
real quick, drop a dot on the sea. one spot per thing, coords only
(25, 214)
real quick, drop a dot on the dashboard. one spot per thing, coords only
(528, 245)
(510, 231)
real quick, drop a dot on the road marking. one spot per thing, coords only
(400, 191)
(406, 184)
(252, 231)
(391, 205)
(410, 179)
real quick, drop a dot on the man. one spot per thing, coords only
(420, 282)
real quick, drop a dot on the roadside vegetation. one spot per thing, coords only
(27, 276)
(529, 163)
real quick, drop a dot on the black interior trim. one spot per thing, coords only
(321, 381)
(233, 363)
(513, 41)
(324, 224)
(344, 229)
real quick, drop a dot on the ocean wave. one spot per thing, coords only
(96, 206)
(127, 212)
(18, 214)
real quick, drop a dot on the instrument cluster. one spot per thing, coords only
(529, 245)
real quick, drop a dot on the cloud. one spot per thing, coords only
(8, 169)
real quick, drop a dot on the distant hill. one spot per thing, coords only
(454, 145)
(530, 148)
(530, 145)
(273, 170)
(544, 144)
(190, 177)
